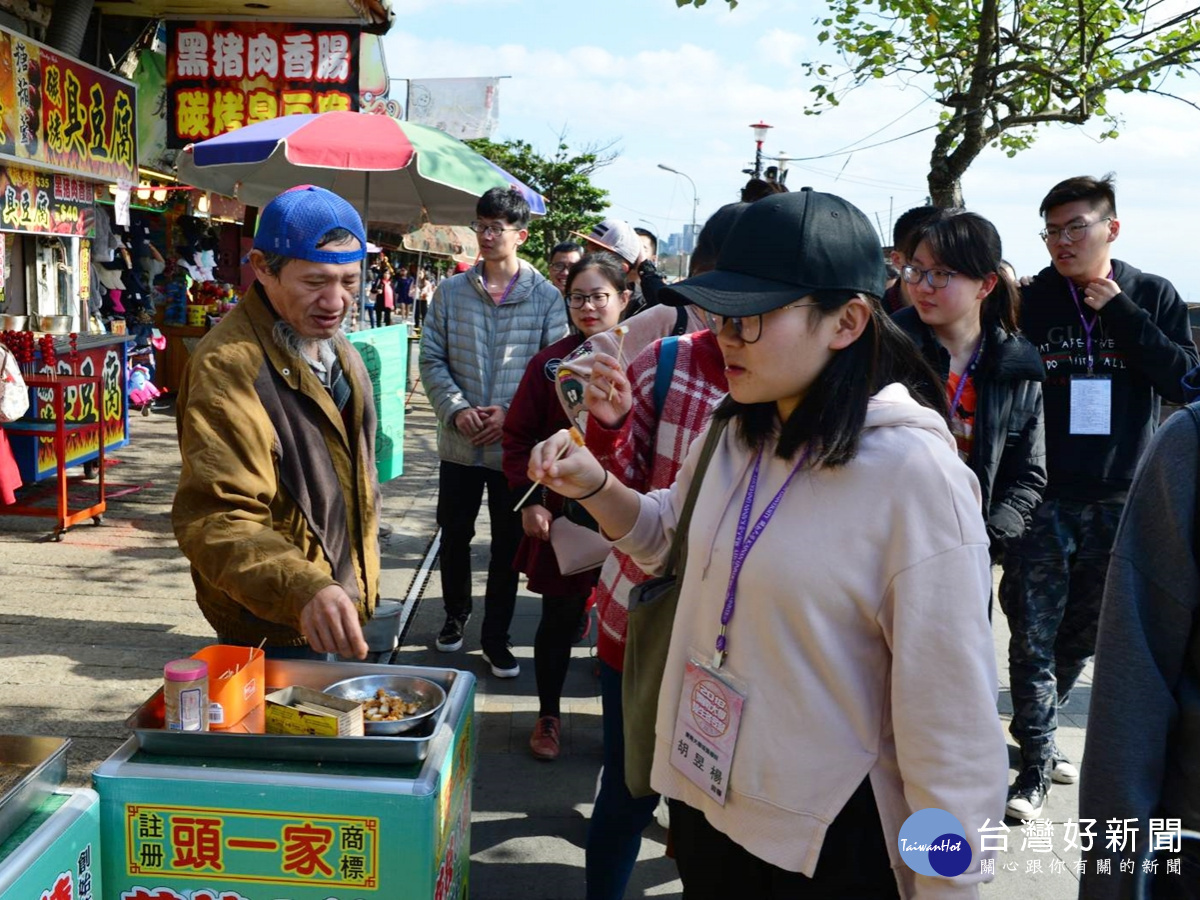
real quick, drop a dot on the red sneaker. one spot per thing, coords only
(544, 740)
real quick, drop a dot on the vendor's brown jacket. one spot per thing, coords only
(278, 496)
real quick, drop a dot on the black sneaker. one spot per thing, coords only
(1065, 771)
(1028, 793)
(451, 636)
(503, 663)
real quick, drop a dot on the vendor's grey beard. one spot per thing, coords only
(291, 342)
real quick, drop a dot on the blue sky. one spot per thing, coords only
(681, 87)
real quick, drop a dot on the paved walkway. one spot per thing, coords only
(87, 624)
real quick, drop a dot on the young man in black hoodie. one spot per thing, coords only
(1114, 340)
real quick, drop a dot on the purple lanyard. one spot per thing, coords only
(962, 379)
(743, 542)
(1087, 326)
(508, 290)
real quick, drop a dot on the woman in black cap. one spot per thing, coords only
(831, 670)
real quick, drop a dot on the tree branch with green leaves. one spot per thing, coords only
(1001, 69)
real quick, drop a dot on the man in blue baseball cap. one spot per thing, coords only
(278, 505)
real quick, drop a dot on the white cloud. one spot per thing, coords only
(781, 47)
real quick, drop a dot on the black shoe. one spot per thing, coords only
(1065, 771)
(503, 663)
(1028, 793)
(451, 636)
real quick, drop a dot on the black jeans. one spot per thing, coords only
(853, 862)
(552, 648)
(460, 493)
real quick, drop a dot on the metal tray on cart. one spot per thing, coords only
(410, 747)
(46, 758)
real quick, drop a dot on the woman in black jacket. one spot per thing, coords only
(964, 320)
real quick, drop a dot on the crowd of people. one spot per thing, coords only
(868, 452)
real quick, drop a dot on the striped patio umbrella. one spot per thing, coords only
(391, 171)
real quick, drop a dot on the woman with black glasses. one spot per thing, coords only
(964, 320)
(596, 296)
(831, 672)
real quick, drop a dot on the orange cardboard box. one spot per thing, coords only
(236, 685)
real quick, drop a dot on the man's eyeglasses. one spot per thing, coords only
(599, 300)
(490, 230)
(936, 278)
(747, 329)
(1073, 232)
(560, 267)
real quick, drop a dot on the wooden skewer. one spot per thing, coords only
(621, 331)
(577, 439)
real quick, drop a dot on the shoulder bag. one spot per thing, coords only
(14, 395)
(652, 607)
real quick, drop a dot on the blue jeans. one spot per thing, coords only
(618, 820)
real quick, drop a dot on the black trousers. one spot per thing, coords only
(552, 648)
(853, 862)
(460, 494)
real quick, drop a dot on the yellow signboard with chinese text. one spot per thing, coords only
(61, 114)
(223, 75)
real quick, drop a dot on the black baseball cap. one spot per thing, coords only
(784, 247)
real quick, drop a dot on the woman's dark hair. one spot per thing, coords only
(968, 243)
(610, 266)
(712, 236)
(830, 418)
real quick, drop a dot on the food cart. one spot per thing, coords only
(49, 839)
(260, 816)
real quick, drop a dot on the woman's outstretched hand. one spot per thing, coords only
(564, 466)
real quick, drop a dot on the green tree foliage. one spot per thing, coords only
(564, 179)
(1002, 68)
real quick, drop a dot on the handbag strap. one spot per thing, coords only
(678, 553)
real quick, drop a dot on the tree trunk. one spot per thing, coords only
(944, 189)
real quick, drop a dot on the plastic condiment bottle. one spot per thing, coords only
(185, 695)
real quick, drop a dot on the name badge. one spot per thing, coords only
(1091, 404)
(706, 730)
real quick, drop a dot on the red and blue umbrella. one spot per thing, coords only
(391, 171)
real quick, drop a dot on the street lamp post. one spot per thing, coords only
(695, 206)
(760, 129)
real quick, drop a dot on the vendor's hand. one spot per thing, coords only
(536, 520)
(576, 474)
(330, 623)
(608, 378)
(468, 422)
(1099, 292)
(492, 429)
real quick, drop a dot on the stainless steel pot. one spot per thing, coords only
(57, 324)
(13, 323)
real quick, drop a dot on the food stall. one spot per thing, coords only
(262, 816)
(49, 839)
(88, 356)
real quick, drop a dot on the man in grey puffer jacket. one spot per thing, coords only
(482, 328)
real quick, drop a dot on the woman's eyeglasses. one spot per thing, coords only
(747, 329)
(599, 300)
(935, 278)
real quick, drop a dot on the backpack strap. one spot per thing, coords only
(678, 553)
(681, 321)
(667, 351)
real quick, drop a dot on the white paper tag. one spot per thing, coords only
(121, 203)
(1091, 404)
(706, 730)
